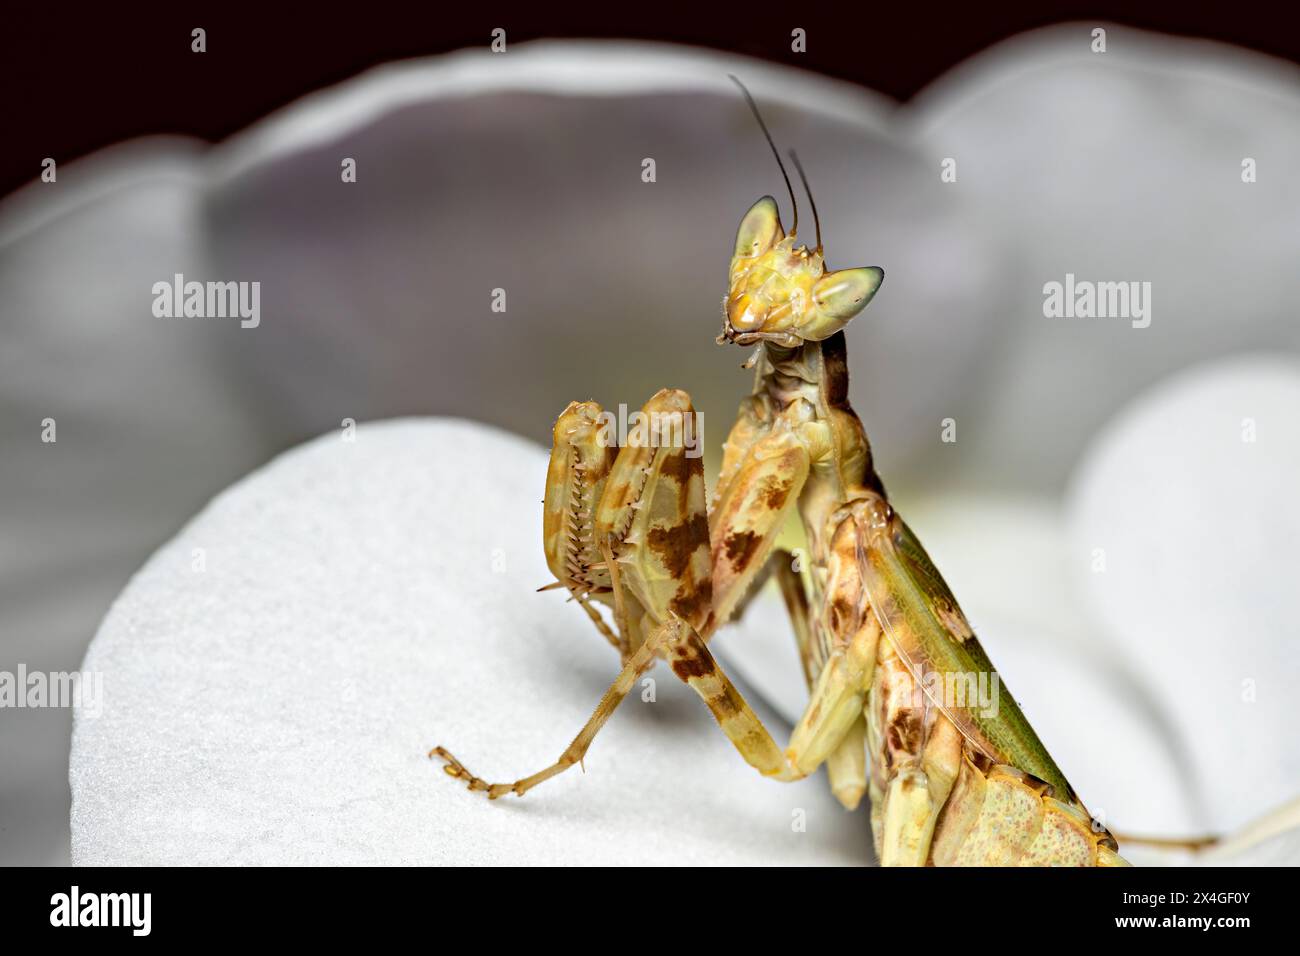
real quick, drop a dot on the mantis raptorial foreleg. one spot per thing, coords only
(650, 531)
(749, 514)
(628, 528)
(618, 690)
(752, 423)
(832, 725)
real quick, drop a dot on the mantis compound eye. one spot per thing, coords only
(760, 230)
(746, 312)
(838, 297)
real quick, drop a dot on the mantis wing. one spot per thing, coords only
(920, 616)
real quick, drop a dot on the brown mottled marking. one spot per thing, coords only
(676, 545)
(692, 604)
(741, 546)
(842, 615)
(678, 467)
(774, 493)
(728, 703)
(952, 617)
(688, 667)
(904, 732)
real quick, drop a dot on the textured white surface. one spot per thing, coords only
(276, 707)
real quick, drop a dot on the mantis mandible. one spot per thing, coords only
(886, 650)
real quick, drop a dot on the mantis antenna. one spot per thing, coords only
(817, 223)
(794, 229)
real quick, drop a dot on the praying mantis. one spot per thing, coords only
(887, 653)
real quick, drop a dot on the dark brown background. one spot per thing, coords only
(75, 81)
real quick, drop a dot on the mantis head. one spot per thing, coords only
(781, 292)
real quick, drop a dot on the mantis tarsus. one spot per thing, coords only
(883, 641)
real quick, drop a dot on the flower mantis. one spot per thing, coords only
(956, 774)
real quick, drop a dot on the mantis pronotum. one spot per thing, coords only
(882, 640)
